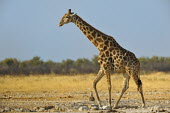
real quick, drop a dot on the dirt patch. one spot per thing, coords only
(156, 101)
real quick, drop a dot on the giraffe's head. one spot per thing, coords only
(67, 18)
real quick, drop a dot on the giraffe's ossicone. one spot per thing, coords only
(112, 57)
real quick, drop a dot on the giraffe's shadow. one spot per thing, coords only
(127, 107)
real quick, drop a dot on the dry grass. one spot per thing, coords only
(154, 81)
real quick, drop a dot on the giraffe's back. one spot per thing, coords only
(118, 60)
(124, 60)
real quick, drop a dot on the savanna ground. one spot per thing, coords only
(69, 93)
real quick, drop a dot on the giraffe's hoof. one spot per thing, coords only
(99, 104)
(106, 108)
(115, 107)
(143, 106)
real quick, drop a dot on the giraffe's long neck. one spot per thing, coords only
(99, 39)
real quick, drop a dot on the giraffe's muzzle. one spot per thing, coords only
(59, 25)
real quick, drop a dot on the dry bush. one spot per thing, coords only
(68, 83)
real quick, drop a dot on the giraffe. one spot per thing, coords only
(112, 57)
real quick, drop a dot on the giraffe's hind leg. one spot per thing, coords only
(139, 87)
(125, 87)
(99, 76)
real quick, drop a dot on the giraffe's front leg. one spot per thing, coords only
(109, 89)
(99, 76)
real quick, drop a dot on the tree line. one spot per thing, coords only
(34, 66)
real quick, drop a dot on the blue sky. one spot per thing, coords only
(29, 28)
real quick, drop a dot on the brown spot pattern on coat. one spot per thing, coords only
(89, 37)
(99, 40)
(121, 59)
(94, 33)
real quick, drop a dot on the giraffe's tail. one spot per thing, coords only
(139, 83)
(136, 78)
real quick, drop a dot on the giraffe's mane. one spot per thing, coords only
(91, 27)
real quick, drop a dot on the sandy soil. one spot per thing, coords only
(53, 101)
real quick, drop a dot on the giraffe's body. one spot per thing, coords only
(112, 56)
